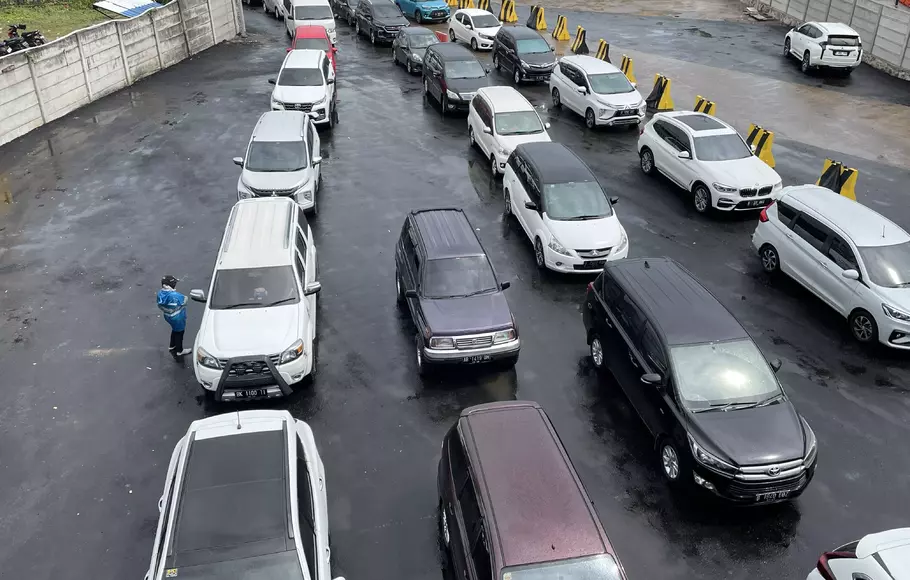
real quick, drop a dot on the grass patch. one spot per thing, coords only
(54, 20)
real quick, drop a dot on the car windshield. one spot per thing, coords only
(610, 83)
(386, 11)
(276, 156)
(720, 373)
(284, 565)
(518, 123)
(576, 201)
(300, 77)
(721, 148)
(464, 69)
(458, 277)
(485, 21)
(254, 288)
(317, 12)
(312, 43)
(532, 46)
(887, 266)
(602, 567)
(422, 40)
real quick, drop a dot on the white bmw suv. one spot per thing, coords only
(708, 158)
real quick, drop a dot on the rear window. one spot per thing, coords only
(313, 44)
(602, 567)
(843, 40)
(785, 213)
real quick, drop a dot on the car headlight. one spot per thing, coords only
(442, 342)
(243, 191)
(504, 152)
(416, 57)
(642, 107)
(895, 313)
(708, 460)
(778, 186)
(607, 106)
(811, 443)
(292, 353)
(277, 104)
(724, 188)
(504, 336)
(453, 95)
(306, 191)
(319, 102)
(207, 360)
(557, 247)
(485, 36)
(524, 64)
(623, 242)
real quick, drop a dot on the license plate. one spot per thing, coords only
(627, 113)
(594, 264)
(251, 393)
(773, 495)
(841, 53)
(478, 358)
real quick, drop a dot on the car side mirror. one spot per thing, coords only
(469, 27)
(312, 288)
(552, 49)
(197, 295)
(614, 200)
(634, 85)
(238, 161)
(651, 379)
(317, 160)
(505, 285)
(487, 130)
(684, 155)
(581, 90)
(486, 68)
(410, 293)
(776, 364)
(850, 274)
(271, 81)
(546, 125)
(334, 49)
(289, 49)
(330, 81)
(160, 504)
(531, 205)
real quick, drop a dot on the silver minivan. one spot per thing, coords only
(283, 159)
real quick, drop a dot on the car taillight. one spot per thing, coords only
(824, 569)
(763, 216)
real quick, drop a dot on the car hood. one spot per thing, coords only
(250, 331)
(433, 5)
(298, 94)
(628, 100)
(586, 234)
(739, 173)
(274, 179)
(757, 436)
(490, 31)
(393, 21)
(897, 297)
(510, 142)
(538, 57)
(468, 85)
(471, 315)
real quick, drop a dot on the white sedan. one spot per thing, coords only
(876, 556)
(474, 26)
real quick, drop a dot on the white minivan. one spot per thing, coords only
(499, 119)
(309, 12)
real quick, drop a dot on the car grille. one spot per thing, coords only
(437, 14)
(542, 66)
(251, 368)
(765, 190)
(474, 342)
(305, 107)
(391, 29)
(748, 192)
(591, 254)
(746, 490)
(272, 192)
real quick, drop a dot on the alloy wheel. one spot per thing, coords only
(589, 119)
(670, 462)
(539, 255)
(373, 36)
(787, 48)
(418, 17)
(863, 327)
(517, 76)
(769, 260)
(357, 28)
(452, 36)
(506, 203)
(647, 161)
(701, 199)
(805, 63)
(597, 352)
(473, 44)
(410, 67)
(493, 166)
(495, 62)
(556, 102)
(471, 136)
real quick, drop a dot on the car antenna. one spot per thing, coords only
(239, 426)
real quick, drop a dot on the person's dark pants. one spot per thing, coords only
(176, 342)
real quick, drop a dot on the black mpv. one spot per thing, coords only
(379, 19)
(524, 53)
(456, 302)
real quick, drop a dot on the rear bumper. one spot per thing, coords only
(469, 356)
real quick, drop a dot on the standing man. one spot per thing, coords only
(173, 307)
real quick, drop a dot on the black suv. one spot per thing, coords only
(452, 75)
(524, 53)
(719, 417)
(457, 304)
(379, 19)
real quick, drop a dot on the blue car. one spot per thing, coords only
(425, 10)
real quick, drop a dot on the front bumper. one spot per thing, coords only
(428, 16)
(575, 265)
(535, 74)
(484, 44)
(610, 119)
(735, 202)
(893, 333)
(386, 35)
(752, 492)
(271, 381)
(472, 355)
(459, 105)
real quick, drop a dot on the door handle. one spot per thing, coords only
(633, 361)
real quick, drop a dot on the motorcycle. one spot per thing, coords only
(31, 38)
(12, 45)
(4, 49)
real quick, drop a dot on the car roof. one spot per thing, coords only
(417, 30)
(589, 64)
(863, 225)
(504, 99)
(520, 32)
(311, 31)
(304, 58)
(259, 234)
(522, 464)
(473, 11)
(698, 124)
(452, 51)
(446, 233)
(280, 126)
(836, 28)
(672, 299)
(555, 163)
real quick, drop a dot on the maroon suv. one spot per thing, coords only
(512, 506)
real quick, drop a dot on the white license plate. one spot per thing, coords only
(476, 358)
(251, 393)
(841, 53)
(773, 495)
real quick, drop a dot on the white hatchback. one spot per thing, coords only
(824, 44)
(851, 257)
(499, 119)
(876, 556)
(596, 90)
(474, 26)
(708, 158)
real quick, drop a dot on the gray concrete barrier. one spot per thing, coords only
(44, 83)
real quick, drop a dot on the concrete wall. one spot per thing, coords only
(884, 26)
(43, 83)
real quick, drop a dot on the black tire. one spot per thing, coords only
(667, 445)
(787, 48)
(424, 368)
(770, 259)
(474, 44)
(557, 102)
(494, 168)
(590, 119)
(395, 60)
(452, 36)
(863, 326)
(496, 63)
(804, 65)
(399, 290)
(410, 67)
(516, 76)
(445, 558)
(847, 71)
(646, 161)
(539, 256)
(444, 104)
(471, 139)
(596, 349)
(701, 198)
(506, 203)
(372, 35)
(418, 17)
(357, 28)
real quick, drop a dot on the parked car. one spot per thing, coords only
(708, 158)
(474, 26)
(524, 53)
(257, 332)
(451, 76)
(511, 504)
(883, 555)
(825, 45)
(499, 119)
(410, 47)
(273, 7)
(379, 19)
(446, 280)
(309, 13)
(244, 493)
(306, 82)
(314, 38)
(344, 10)
(596, 90)
(719, 418)
(425, 11)
(283, 158)
(562, 208)
(854, 259)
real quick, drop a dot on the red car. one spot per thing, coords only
(316, 38)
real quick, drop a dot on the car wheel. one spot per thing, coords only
(357, 28)
(539, 256)
(418, 17)
(701, 198)
(410, 67)
(805, 64)
(770, 261)
(863, 327)
(395, 60)
(517, 76)
(590, 119)
(597, 352)
(496, 63)
(471, 136)
(452, 36)
(423, 367)
(399, 292)
(473, 44)
(506, 203)
(494, 167)
(670, 462)
(372, 36)
(646, 159)
(556, 102)
(445, 559)
(787, 48)
(444, 104)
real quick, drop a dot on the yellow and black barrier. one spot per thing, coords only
(603, 50)
(660, 99)
(579, 46)
(452, 3)
(484, 5)
(703, 105)
(561, 30)
(761, 142)
(838, 178)
(507, 11)
(626, 68)
(465, 4)
(536, 20)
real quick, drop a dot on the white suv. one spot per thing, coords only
(852, 258)
(596, 90)
(257, 332)
(309, 13)
(824, 44)
(283, 158)
(499, 119)
(306, 82)
(474, 26)
(244, 491)
(708, 158)
(880, 555)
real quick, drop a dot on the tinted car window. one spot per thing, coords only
(578, 201)
(840, 253)
(306, 512)
(610, 83)
(843, 41)
(518, 123)
(253, 288)
(278, 156)
(386, 11)
(811, 230)
(888, 266)
(421, 40)
(312, 43)
(457, 461)
(457, 277)
(470, 510)
(678, 138)
(481, 556)
(300, 77)
(532, 46)
(650, 344)
(630, 318)
(485, 21)
(464, 69)
(721, 148)
(785, 213)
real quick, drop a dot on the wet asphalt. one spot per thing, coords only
(138, 185)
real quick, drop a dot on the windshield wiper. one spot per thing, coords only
(585, 217)
(769, 400)
(242, 305)
(720, 407)
(475, 293)
(282, 301)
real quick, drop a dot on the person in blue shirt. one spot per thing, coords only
(173, 308)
